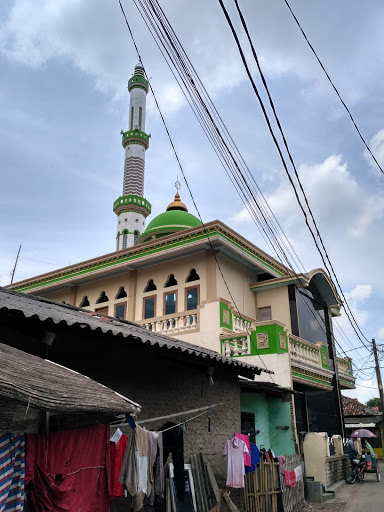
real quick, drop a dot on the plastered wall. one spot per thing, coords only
(278, 299)
(238, 280)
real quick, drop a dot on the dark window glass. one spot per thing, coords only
(120, 311)
(149, 307)
(192, 298)
(312, 319)
(135, 237)
(170, 303)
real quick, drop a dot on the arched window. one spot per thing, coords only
(151, 287)
(102, 298)
(84, 302)
(171, 281)
(121, 293)
(140, 116)
(193, 276)
(135, 237)
(125, 238)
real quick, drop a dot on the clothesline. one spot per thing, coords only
(182, 413)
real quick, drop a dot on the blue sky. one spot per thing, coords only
(63, 101)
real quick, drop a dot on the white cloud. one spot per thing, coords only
(380, 334)
(359, 294)
(364, 391)
(335, 197)
(376, 145)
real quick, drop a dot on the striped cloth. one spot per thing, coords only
(12, 472)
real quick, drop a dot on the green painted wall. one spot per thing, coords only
(273, 339)
(270, 412)
(225, 307)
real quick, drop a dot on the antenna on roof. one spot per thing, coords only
(14, 268)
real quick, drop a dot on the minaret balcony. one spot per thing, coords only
(132, 202)
(138, 81)
(135, 137)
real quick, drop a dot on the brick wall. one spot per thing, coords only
(334, 468)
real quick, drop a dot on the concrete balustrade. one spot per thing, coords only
(170, 325)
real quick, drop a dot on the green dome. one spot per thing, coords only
(169, 222)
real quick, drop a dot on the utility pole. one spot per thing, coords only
(380, 386)
(14, 268)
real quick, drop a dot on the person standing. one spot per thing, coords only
(352, 452)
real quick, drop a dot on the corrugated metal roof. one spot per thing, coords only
(51, 387)
(44, 309)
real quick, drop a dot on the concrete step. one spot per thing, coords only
(328, 496)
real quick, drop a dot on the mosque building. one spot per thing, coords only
(207, 285)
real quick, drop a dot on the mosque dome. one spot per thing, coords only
(174, 219)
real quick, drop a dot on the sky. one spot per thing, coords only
(64, 67)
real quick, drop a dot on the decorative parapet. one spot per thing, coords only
(132, 202)
(235, 346)
(301, 350)
(184, 322)
(135, 137)
(241, 324)
(346, 378)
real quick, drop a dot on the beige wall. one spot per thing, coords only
(238, 280)
(209, 330)
(160, 274)
(278, 363)
(278, 299)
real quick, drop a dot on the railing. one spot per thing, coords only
(344, 366)
(182, 323)
(241, 324)
(235, 346)
(304, 351)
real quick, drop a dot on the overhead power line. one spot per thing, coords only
(186, 181)
(324, 256)
(334, 87)
(200, 102)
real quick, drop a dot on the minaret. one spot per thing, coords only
(131, 208)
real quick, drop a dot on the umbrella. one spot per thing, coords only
(362, 432)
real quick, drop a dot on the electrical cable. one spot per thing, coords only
(185, 179)
(349, 313)
(334, 87)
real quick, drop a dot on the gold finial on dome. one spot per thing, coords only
(177, 204)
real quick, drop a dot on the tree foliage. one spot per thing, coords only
(374, 402)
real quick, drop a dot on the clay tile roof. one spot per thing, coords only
(352, 407)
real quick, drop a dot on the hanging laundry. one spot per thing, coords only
(12, 467)
(243, 437)
(235, 449)
(298, 473)
(255, 458)
(69, 470)
(173, 442)
(136, 470)
(290, 478)
(156, 461)
(117, 446)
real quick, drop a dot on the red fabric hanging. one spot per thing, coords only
(290, 478)
(69, 471)
(117, 455)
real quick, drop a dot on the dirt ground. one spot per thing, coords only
(324, 507)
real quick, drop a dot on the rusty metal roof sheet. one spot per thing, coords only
(44, 309)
